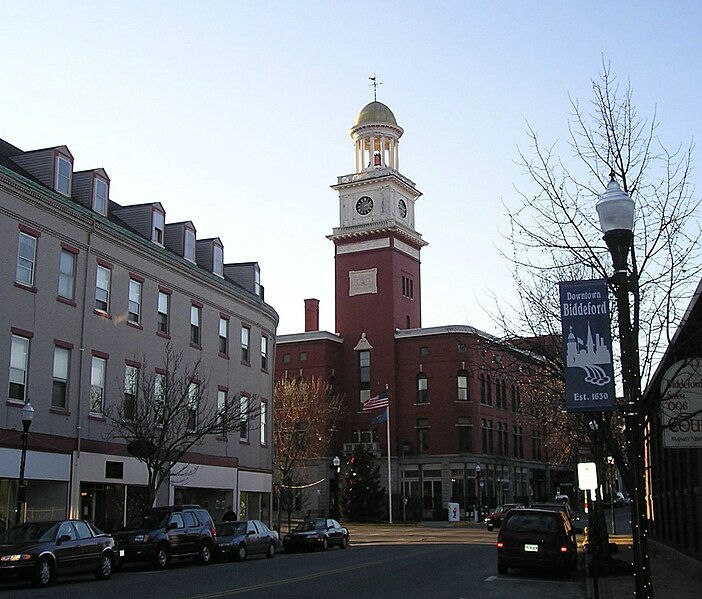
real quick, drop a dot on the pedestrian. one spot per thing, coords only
(229, 515)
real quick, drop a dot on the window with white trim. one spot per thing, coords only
(193, 399)
(100, 196)
(223, 336)
(164, 302)
(102, 288)
(264, 423)
(26, 257)
(245, 336)
(462, 386)
(19, 362)
(160, 395)
(59, 386)
(243, 418)
(158, 226)
(189, 245)
(218, 260)
(195, 317)
(67, 275)
(63, 175)
(131, 384)
(134, 310)
(97, 385)
(264, 352)
(221, 410)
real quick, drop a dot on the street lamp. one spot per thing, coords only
(336, 462)
(479, 481)
(616, 212)
(27, 417)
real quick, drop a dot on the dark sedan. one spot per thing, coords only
(42, 551)
(240, 539)
(317, 533)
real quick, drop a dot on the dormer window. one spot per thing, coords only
(189, 245)
(257, 282)
(218, 260)
(158, 226)
(63, 175)
(100, 196)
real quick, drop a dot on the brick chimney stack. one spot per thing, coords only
(311, 315)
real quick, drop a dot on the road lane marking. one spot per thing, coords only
(284, 581)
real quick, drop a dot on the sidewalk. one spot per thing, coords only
(672, 576)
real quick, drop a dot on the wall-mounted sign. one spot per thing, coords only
(587, 345)
(681, 404)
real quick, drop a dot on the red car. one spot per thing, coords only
(494, 520)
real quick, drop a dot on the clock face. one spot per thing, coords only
(364, 205)
(402, 207)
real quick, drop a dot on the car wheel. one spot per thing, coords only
(104, 570)
(502, 567)
(325, 544)
(43, 573)
(161, 558)
(271, 550)
(205, 556)
(241, 553)
(344, 542)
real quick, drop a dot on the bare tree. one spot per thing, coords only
(167, 412)
(555, 236)
(304, 420)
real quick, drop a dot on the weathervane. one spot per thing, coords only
(375, 85)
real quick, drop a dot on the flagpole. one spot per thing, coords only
(387, 422)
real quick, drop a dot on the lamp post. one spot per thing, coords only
(336, 463)
(616, 213)
(27, 417)
(479, 481)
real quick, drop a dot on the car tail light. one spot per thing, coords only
(214, 531)
(564, 549)
(500, 544)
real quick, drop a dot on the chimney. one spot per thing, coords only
(311, 315)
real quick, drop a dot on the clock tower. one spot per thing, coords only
(377, 248)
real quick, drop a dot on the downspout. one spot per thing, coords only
(74, 506)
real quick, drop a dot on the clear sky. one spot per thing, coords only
(235, 114)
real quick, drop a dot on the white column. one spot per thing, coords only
(383, 161)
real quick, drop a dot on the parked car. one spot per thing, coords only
(621, 500)
(316, 533)
(494, 519)
(558, 507)
(42, 551)
(246, 537)
(165, 533)
(536, 538)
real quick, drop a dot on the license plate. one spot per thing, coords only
(531, 548)
(121, 552)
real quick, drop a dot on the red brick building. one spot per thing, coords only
(453, 390)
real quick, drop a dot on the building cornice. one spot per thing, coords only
(384, 227)
(308, 336)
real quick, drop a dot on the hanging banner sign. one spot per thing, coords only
(681, 404)
(587, 346)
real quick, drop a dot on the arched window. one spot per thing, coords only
(488, 386)
(503, 390)
(483, 395)
(422, 388)
(462, 386)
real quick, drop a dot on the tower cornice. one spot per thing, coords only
(375, 176)
(386, 227)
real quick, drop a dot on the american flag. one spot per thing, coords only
(379, 401)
